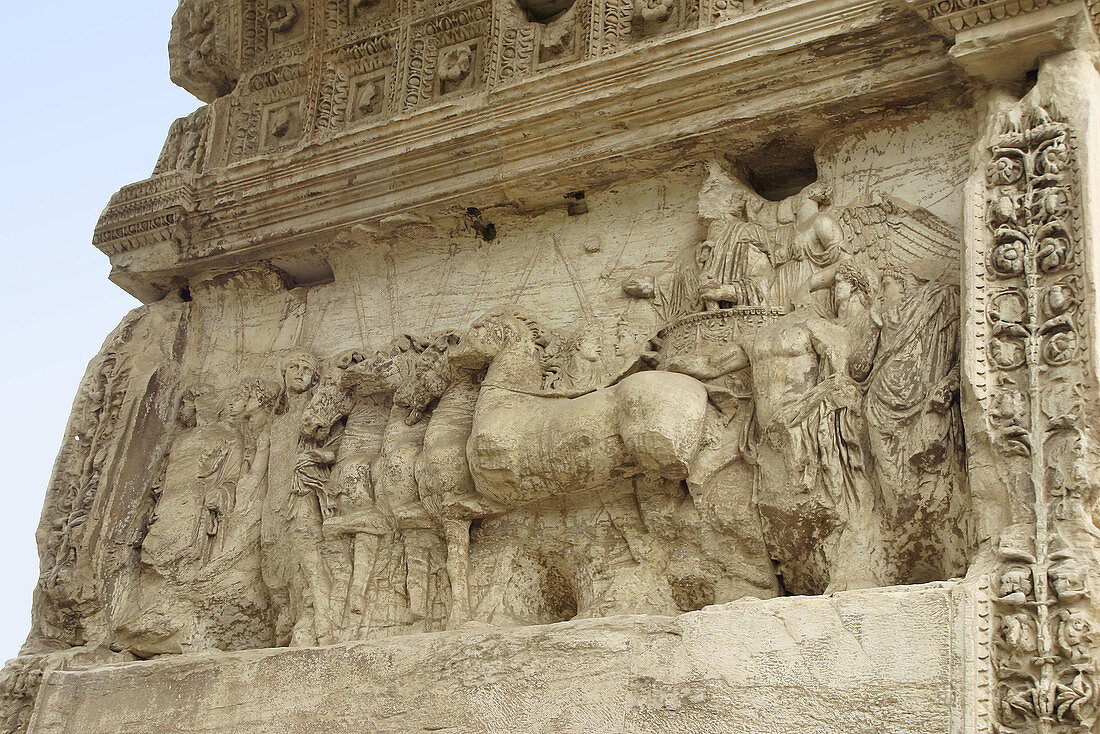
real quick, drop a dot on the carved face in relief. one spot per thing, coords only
(844, 291)
(188, 415)
(236, 405)
(715, 200)
(893, 289)
(852, 291)
(248, 399)
(814, 197)
(300, 373)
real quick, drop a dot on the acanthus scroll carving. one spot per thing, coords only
(1043, 634)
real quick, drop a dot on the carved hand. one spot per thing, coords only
(943, 394)
(322, 456)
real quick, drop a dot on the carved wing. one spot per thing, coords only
(893, 233)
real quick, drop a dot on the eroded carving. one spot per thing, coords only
(185, 148)
(842, 366)
(199, 52)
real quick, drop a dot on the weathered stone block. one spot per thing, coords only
(885, 660)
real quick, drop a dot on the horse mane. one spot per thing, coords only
(547, 343)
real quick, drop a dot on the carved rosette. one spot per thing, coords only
(359, 83)
(1042, 634)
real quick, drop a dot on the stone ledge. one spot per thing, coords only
(528, 143)
(883, 661)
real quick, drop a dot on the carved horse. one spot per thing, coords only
(373, 492)
(523, 445)
(442, 472)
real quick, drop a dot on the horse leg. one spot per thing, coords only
(417, 572)
(457, 532)
(364, 553)
(320, 589)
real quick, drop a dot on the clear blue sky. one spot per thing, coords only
(87, 105)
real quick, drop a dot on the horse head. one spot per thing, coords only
(510, 345)
(431, 375)
(495, 332)
(331, 400)
(379, 375)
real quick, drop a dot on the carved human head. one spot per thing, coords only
(812, 199)
(895, 285)
(589, 343)
(188, 415)
(300, 371)
(851, 282)
(716, 195)
(818, 192)
(251, 397)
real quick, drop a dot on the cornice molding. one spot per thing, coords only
(528, 142)
(953, 16)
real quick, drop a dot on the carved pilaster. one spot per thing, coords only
(1031, 286)
(1038, 306)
